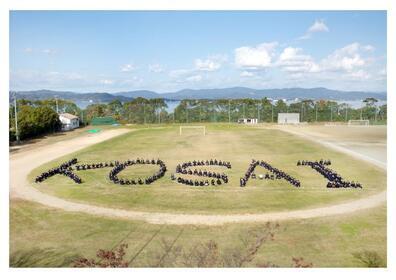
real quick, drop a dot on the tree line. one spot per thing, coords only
(150, 111)
(37, 117)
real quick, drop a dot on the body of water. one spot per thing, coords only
(172, 104)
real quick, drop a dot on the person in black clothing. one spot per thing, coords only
(335, 180)
(276, 173)
(64, 169)
(218, 178)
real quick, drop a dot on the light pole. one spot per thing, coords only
(200, 112)
(56, 102)
(302, 111)
(258, 113)
(229, 111)
(346, 113)
(375, 114)
(144, 113)
(187, 113)
(316, 112)
(272, 113)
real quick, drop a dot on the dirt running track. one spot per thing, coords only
(22, 163)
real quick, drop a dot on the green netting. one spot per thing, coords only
(103, 121)
(95, 130)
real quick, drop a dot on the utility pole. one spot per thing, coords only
(16, 119)
(144, 113)
(302, 111)
(258, 113)
(214, 114)
(346, 113)
(375, 114)
(56, 102)
(200, 112)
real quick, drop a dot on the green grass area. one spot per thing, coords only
(234, 143)
(41, 236)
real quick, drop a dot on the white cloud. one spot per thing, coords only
(106, 82)
(258, 57)
(155, 68)
(368, 48)
(211, 63)
(207, 65)
(195, 78)
(128, 68)
(317, 26)
(179, 72)
(30, 79)
(347, 58)
(293, 60)
(359, 75)
(246, 74)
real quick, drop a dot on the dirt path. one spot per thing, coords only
(21, 164)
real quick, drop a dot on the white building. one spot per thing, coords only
(69, 121)
(248, 121)
(288, 118)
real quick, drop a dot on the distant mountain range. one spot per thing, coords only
(224, 93)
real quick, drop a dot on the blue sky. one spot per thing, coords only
(166, 51)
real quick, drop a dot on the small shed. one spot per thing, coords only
(69, 121)
(248, 121)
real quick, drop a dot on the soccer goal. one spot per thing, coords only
(358, 122)
(199, 127)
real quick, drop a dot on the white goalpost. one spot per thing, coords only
(192, 127)
(358, 123)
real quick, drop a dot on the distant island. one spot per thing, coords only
(223, 93)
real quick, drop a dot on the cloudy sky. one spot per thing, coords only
(168, 51)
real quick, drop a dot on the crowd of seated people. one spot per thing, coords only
(139, 181)
(335, 180)
(217, 178)
(306, 162)
(96, 165)
(64, 169)
(276, 174)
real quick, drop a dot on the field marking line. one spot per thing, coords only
(336, 147)
(21, 164)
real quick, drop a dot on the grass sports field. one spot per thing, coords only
(237, 144)
(42, 236)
